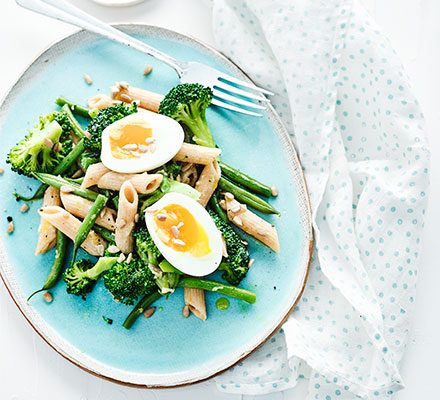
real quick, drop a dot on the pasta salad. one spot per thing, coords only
(144, 190)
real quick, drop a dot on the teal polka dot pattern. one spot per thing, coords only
(348, 104)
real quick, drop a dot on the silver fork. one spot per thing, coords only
(229, 92)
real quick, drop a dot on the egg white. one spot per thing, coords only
(168, 136)
(184, 261)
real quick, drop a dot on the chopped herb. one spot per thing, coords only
(108, 320)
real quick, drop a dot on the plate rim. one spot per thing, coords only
(307, 226)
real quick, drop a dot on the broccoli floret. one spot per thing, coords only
(127, 281)
(236, 265)
(103, 119)
(36, 151)
(187, 104)
(82, 275)
(88, 158)
(145, 246)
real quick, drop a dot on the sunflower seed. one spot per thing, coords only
(150, 140)
(88, 79)
(237, 220)
(175, 231)
(149, 312)
(112, 249)
(274, 190)
(179, 242)
(235, 208)
(123, 85)
(161, 217)
(47, 297)
(125, 97)
(10, 228)
(185, 311)
(2, 171)
(251, 262)
(143, 148)
(121, 258)
(130, 147)
(180, 225)
(147, 70)
(229, 196)
(24, 208)
(129, 258)
(66, 189)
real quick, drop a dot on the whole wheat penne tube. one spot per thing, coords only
(143, 183)
(251, 223)
(207, 182)
(196, 154)
(146, 99)
(47, 233)
(80, 207)
(69, 225)
(125, 220)
(93, 174)
(100, 101)
(195, 300)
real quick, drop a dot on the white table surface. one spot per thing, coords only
(30, 370)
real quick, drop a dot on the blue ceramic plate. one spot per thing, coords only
(167, 349)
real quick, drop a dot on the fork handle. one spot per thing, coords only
(66, 12)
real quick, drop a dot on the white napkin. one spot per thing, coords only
(347, 103)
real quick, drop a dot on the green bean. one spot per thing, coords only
(88, 222)
(57, 266)
(62, 167)
(58, 182)
(105, 233)
(77, 109)
(215, 205)
(155, 196)
(76, 127)
(244, 180)
(140, 307)
(219, 287)
(244, 196)
(78, 181)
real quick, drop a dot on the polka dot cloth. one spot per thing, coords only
(344, 97)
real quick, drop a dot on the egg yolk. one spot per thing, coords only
(178, 229)
(125, 139)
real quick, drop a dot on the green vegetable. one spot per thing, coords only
(219, 287)
(140, 307)
(76, 127)
(246, 197)
(58, 182)
(187, 104)
(35, 152)
(62, 167)
(215, 205)
(145, 246)
(236, 265)
(77, 109)
(222, 304)
(128, 281)
(57, 266)
(168, 186)
(244, 180)
(87, 159)
(82, 275)
(103, 119)
(171, 169)
(88, 223)
(165, 266)
(105, 233)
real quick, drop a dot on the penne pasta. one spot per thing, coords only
(47, 233)
(125, 221)
(196, 154)
(207, 182)
(93, 174)
(69, 225)
(195, 300)
(251, 223)
(143, 183)
(100, 101)
(79, 207)
(124, 92)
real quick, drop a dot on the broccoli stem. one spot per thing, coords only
(103, 265)
(140, 307)
(105, 233)
(165, 266)
(213, 286)
(202, 134)
(76, 108)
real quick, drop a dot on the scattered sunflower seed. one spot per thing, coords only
(229, 196)
(47, 297)
(251, 262)
(125, 97)
(148, 69)
(274, 190)
(237, 220)
(143, 148)
(112, 249)
(24, 208)
(175, 231)
(88, 79)
(149, 312)
(121, 258)
(150, 140)
(161, 217)
(66, 189)
(123, 85)
(129, 258)
(178, 242)
(130, 146)
(185, 311)
(10, 228)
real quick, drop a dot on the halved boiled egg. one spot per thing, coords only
(140, 142)
(185, 234)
